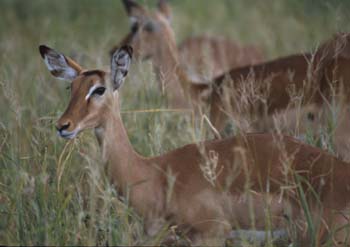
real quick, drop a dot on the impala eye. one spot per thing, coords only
(149, 27)
(134, 27)
(99, 91)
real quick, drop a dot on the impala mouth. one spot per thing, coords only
(67, 134)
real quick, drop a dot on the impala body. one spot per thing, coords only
(249, 174)
(205, 57)
(270, 82)
(197, 59)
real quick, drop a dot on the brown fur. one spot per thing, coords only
(207, 57)
(272, 77)
(251, 174)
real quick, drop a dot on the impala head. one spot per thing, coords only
(92, 93)
(149, 31)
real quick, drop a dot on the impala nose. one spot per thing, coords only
(60, 127)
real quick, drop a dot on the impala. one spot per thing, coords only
(308, 75)
(249, 174)
(197, 59)
(304, 80)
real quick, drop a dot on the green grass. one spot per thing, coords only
(54, 192)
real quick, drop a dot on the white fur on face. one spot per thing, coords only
(132, 20)
(91, 90)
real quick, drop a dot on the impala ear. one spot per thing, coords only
(60, 66)
(134, 10)
(164, 8)
(120, 64)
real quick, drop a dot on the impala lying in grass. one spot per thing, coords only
(197, 59)
(257, 181)
(252, 95)
(267, 88)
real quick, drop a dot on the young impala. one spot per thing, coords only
(256, 180)
(197, 59)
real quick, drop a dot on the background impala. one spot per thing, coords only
(196, 59)
(54, 192)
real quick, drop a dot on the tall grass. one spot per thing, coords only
(54, 192)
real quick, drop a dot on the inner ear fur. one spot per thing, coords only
(120, 64)
(59, 65)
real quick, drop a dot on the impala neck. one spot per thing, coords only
(170, 74)
(122, 162)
